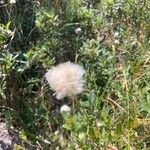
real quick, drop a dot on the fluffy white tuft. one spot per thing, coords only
(65, 79)
(65, 108)
(12, 1)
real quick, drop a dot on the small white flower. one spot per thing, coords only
(65, 79)
(65, 108)
(116, 34)
(56, 132)
(2, 2)
(9, 32)
(78, 30)
(12, 1)
(99, 124)
(5, 46)
(116, 42)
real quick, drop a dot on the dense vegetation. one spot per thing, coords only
(110, 39)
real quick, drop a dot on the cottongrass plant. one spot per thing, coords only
(66, 79)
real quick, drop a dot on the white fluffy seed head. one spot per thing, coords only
(12, 1)
(65, 79)
(78, 30)
(65, 108)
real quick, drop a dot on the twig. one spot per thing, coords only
(116, 104)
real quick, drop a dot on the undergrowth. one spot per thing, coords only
(110, 39)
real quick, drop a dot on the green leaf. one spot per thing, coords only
(7, 118)
(92, 96)
(18, 147)
(7, 25)
(67, 127)
(22, 135)
(146, 107)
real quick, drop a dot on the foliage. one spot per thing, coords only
(110, 39)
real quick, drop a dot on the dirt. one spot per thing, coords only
(6, 138)
(9, 138)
